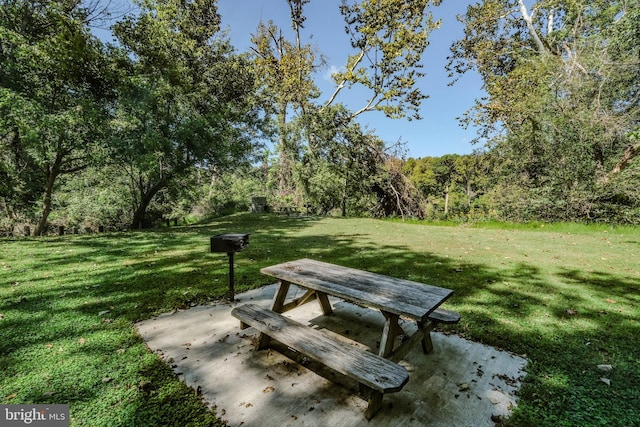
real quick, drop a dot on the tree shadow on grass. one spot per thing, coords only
(566, 322)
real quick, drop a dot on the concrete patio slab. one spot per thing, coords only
(460, 383)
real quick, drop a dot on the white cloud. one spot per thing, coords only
(332, 70)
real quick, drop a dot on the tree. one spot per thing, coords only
(472, 174)
(388, 38)
(344, 154)
(285, 70)
(562, 79)
(185, 101)
(54, 89)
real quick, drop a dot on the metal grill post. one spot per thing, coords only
(230, 243)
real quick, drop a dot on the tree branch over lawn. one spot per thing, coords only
(389, 37)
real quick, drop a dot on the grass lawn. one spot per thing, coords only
(566, 296)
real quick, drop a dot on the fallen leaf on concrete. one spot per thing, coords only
(463, 387)
(268, 390)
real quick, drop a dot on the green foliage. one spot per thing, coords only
(562, 84)
(452, 185)
(389, 38)
(231, 192)
(324, 188)
(95, 197)
(186, 101)
(54, 82)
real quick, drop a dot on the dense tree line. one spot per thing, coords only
(563, 107)
(140, 114)
(170, 120)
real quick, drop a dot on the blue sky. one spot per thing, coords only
(439, 132)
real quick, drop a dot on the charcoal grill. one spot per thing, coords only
(229, 243)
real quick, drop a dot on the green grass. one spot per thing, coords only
(566, 296)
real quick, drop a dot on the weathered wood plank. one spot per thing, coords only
(281, 294)
(368, 369)
(308, 296)
(399, 296)
(389, 334)
(426, 328)
(446, 317)
(406, 346)
(440, 315)
(324, 303)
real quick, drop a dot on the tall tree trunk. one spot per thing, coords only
(446, 200)
(138, 216)
(345, 191)
(145, 199)
(344, 200)
(52, 174)
(284, 178)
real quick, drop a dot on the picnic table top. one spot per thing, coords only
(402, 297)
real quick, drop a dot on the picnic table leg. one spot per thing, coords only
(276, 305)
(374, 399)
(426, 328)
(278, 299)
(324, 303)
(389, 333)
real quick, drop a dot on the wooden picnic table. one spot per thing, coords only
(377, 374)
(394, 297)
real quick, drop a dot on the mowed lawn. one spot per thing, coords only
(566, 297)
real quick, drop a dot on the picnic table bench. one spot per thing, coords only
(377, 374)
